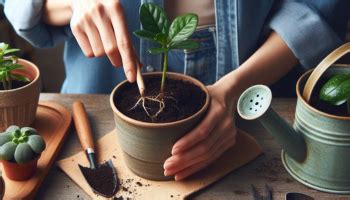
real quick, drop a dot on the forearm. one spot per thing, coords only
(268, 64)
(57, 12)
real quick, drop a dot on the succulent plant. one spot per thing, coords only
(20, 144)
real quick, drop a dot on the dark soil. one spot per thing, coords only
(101, 179)
(315, 101)
(15, 84)
(189, 100)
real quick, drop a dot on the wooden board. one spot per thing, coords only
(245, 150)
(52, 122)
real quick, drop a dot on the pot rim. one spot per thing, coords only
(337, 117)
(26, 64)
(167, 124)
(36, 158)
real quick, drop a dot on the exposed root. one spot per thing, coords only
(159, 99)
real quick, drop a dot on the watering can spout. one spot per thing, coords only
(254, 103)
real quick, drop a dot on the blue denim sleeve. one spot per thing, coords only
(308, 35)
(25, 17)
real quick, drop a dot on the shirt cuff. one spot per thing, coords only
(308, 36)
(25, 17)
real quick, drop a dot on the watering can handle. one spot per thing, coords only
(322, 67)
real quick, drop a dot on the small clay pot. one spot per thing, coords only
(146, 145)
(20, 172)
(18, 106)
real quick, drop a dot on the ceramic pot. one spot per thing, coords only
(18, 106)
(20, 172)
(147, 145)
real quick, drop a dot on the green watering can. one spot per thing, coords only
(316, 151)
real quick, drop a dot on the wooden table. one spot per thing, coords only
(266, 169)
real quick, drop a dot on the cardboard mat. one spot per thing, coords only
(135, 187)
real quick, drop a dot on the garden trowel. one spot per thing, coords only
(101, 178)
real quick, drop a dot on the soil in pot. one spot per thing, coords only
(326, 107)
(15, 84)
(189, 100)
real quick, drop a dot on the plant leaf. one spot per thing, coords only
(4, 46)
(154, 19)
(11, 51)
(145, 34)
(183, 27)
(161, 38)
(336, 90)
(19, 78)
(185, 44)
(13, 67)
(156, 50)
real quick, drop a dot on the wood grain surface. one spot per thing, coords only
(266, 169)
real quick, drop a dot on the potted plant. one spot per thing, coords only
(148, 125)
(20, 87)
(20, 149)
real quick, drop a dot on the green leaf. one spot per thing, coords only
(183, 27)
(7, 150)
(145, 34)
(336, 90)
(154, 19)
(12, 128)
(19, 78)
(11, 51)
(23, 153)
(27, 131)
(185, 44)
(4, 46)
(37, 143)
(161, 38)
(156, 50)
(5, 137)
(13, 67)
(5, 63)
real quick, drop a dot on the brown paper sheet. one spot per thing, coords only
(134, 187)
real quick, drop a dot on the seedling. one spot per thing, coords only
(20, 145)
(8, 63)
(158, 29)
(336, 90)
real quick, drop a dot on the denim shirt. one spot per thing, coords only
(311, 29)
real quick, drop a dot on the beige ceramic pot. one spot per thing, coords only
(145, 145)
(18, 106)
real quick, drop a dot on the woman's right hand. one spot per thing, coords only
(100, 28)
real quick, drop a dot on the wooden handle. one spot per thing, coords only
(322, 67)
(82, 125)
(139, 81)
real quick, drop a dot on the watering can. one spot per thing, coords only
(316, 150)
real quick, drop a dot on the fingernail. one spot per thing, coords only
(175, 151)
(167, 165)
(165, 173)
(129, 76)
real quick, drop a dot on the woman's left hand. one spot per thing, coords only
(209, 140)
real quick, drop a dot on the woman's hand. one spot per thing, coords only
(209, 140)
(100, 29)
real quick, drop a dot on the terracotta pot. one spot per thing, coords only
(18, 106)
(147, 145)
(20, 172)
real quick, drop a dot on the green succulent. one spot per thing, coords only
(20, 144)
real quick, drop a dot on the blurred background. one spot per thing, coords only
(50, 61)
